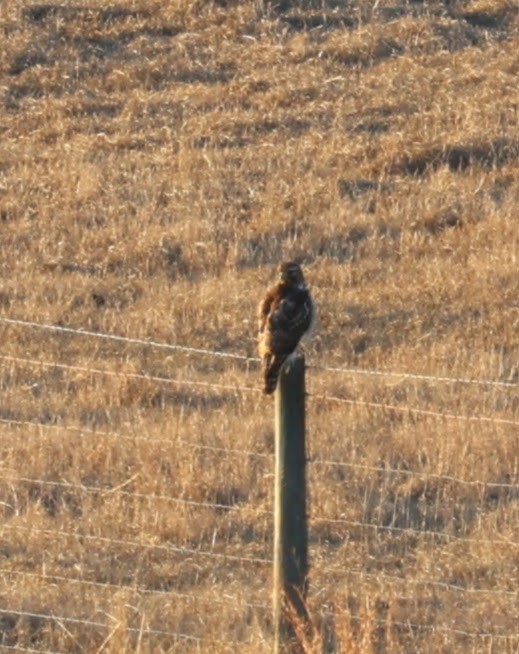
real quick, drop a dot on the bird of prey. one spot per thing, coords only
(285, 316)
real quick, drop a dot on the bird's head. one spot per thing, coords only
(290, 273)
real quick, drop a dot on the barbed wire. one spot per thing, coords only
(29, 650)
(416, 411)
(192, 552)
(187, 382)
(133, 437)
(127, 339)
(146, 546)
(109, 491)
(312, 461)
(425, 475)
(227, 600)
(357, 573)
(442, 628)
(429, 533)
(96, 624)
(233, 508)
(407, 530)
(250, 359)
(128, 375)
(415, 376)
(428, 583)
(143, 590)
(388, 624)
(257, 389)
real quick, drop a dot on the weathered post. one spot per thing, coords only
(290, 525)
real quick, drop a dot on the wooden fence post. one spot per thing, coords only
(290, 525)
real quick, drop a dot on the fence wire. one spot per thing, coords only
(193, 553)
(223, 600)
(105, 491)
(96, 624)
(347, 370)
(131, 544)
(387, 407)
(132, 437)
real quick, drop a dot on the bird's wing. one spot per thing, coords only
(293, 314)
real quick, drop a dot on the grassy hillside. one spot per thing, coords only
(157, 161)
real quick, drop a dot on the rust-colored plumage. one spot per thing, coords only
(286, 315)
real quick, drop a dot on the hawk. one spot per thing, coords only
(286, 315)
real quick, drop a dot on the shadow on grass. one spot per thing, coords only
(48, 14)
(464, 28)
(242, 134)
(498, 18)
(487, 155)
(43, 14)
(73, 34)
(16, 628)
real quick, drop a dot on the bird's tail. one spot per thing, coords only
(271, 368)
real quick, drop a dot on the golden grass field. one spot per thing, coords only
(157, 160)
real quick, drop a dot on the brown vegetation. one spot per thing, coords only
(157, 160)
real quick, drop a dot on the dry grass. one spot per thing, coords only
(156, 161)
